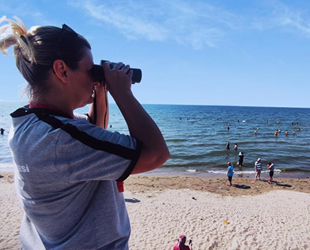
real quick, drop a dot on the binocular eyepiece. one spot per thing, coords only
(98, 73)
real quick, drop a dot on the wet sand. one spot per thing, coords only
(217, 185)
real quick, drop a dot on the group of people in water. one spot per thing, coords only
(258, 164)
(228, 146)
(278, 131)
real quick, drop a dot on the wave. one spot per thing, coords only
(185, 165)
(186, 156)
(240, 172)
(221, 168)
(176, 140)
(7, 167)
(290, 170)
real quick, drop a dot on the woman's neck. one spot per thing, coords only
(56, 104)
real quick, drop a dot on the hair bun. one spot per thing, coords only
(10, 33)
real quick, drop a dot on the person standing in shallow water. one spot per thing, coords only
(69, 170)
(228, 145)
(240, 161)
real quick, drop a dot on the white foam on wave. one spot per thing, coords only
(191, 170)
(7, 167)
(240, 172)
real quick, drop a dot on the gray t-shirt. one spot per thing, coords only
(65, 175)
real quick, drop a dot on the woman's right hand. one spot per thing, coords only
(118, 79)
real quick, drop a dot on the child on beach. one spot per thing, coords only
(181, 244)
(69, 169)
(230, 172)
(258, 168)
(270, 167)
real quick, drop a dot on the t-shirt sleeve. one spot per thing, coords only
(92, 153)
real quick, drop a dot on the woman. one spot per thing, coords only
(69, 172)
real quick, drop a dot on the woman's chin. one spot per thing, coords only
(86, 102)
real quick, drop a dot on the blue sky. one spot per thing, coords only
(204, 52)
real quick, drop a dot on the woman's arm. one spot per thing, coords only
(154, 151)
(99, 114)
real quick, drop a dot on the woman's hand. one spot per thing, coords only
(118, 79)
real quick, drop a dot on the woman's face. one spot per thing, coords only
(81, 83)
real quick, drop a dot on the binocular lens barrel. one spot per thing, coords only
(98, 73)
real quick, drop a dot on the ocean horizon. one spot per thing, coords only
(196, 136)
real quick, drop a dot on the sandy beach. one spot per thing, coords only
(247, 216)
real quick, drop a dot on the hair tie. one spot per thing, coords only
(23, 38)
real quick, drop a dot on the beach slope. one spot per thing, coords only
(213, 215)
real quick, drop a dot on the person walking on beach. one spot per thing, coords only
(258, 169)
(69, 170)
(230, 172)
(270, 167)
(240, 161)
(181, 244)
(2, 131)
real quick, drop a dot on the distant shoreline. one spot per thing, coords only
(168, 172)
(25, 102)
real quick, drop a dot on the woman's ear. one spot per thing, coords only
(60, 70)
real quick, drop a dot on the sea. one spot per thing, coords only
(197, 135)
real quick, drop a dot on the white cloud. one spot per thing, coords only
(195, 23)
(286, 18)
(130, 26)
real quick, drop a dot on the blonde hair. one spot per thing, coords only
(36, 50)
(15, 33)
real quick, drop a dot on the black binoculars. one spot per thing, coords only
(98, 73)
